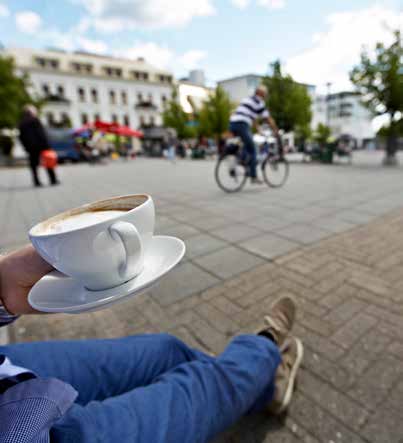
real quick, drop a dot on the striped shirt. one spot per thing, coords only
(249, 110)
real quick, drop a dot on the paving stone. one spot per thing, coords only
(338, 404)
(236, 232)
(345, 311)
(180, 230)
(185, 280)
(353, 330)
(302, 233)
(228, 262)
(269, 246)
(320, 422)
(375, 385)
(203, 244)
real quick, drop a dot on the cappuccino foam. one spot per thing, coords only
(80, 221)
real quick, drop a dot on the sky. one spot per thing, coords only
(317, 41)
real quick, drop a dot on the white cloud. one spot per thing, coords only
(91, 45)
(159, 56)
(269, 4)
(28, 22)
(119, 15)
(241, 4)
(4, 11)
(337, 50)
(191, 59)
(272, 4)
(163, 57)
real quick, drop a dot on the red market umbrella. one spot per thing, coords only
(125, 131)
(104, 126)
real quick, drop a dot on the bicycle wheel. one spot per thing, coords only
(230, 175)
(275, 171)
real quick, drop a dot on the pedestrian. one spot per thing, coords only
(149, 388)
(34, 140)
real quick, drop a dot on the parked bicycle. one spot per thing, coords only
(232, 168)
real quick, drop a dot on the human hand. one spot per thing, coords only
(19, 271)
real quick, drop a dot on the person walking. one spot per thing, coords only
(34, 140)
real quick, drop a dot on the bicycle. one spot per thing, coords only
(232, 171)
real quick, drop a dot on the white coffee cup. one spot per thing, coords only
(96, 243)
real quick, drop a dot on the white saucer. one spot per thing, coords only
(56, 292)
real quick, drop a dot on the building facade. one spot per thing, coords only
(240, 87)
(80, 87)
(345, 114)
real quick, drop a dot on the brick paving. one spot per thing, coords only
(348, 285)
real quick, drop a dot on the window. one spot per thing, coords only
(81, 94)
(84, 118)
(152, 121)
(60, 91)
(142, 120)
(45, 89)
(112, 97)
(150, 97)
(114, 118)
(139, 97)
(126, 120)
(97, 117)
(94, 95)
(124, 98)
(50, 119)
(164, 99)
(65, 119)
(145, 76)
(81, 67)
(112, 72)
(49, 63)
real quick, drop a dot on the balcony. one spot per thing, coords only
(146, 104)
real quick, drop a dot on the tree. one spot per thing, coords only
(13, 94)
(175, 117)
(379, 78)
(288, 101)
(215, 113)
(322, 134)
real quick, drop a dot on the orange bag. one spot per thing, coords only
(49, 158)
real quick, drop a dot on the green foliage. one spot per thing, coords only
(215, 113)
(322, 134)
(175, 117)
(288, 101)
(396, 129)
(13, 94)
(379, 78)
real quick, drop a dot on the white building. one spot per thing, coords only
(82, 87)
(345, 114)
(240, 87)
(191, 95)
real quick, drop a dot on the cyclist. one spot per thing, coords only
(243, 118)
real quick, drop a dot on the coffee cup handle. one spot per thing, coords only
(131, 240)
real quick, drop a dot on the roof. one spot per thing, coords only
(238, 77)
(24, 58)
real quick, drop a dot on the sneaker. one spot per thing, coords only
(256, 181)
(286, 375)
(280, 320)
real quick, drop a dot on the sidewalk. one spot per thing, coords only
(349, 290)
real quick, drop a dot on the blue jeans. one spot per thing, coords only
(242, 130)
(152, 388)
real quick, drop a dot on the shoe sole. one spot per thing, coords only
(293, 375)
